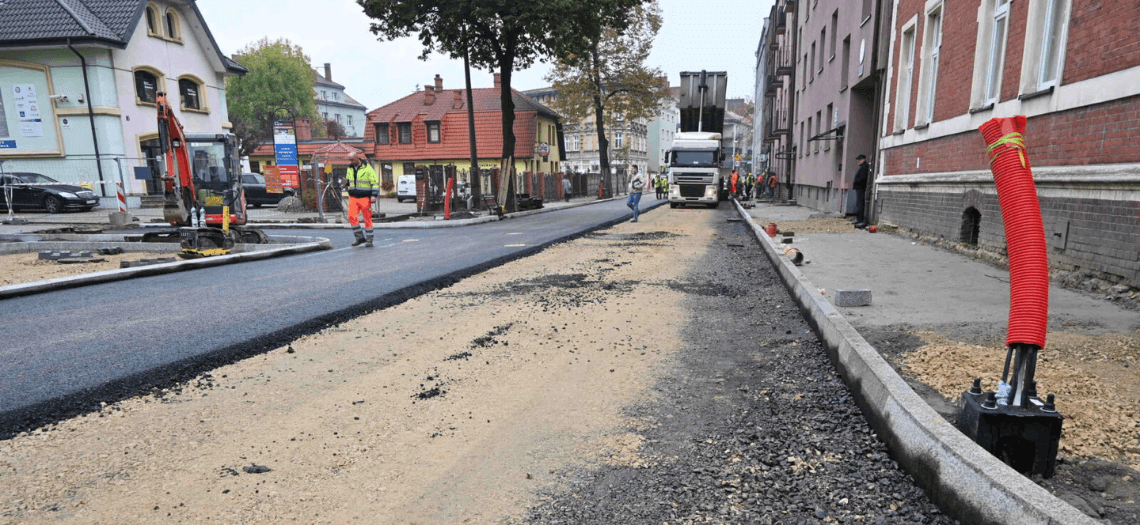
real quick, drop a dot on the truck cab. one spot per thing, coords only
(695, 175)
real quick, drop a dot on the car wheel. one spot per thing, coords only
(256, 205)
(399, 199)
(52, 204)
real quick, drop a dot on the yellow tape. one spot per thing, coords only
(1014, 140)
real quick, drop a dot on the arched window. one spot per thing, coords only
(152, 28)
(173, 27)
(146, 86)
(191, 93)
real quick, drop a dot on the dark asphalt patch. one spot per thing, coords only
(753, 424)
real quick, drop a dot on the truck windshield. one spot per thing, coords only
(694, 158)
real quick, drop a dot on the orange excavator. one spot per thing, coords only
(201, 174)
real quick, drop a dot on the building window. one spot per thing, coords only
(349, 119)
(324, 95)
(1045, 36)
(867, 4)
(845, 63)
(325, 115)
(191, 94)
(409, 168)
(619, 139)
(146, 87)
(811, 71)
(382, 134)
(822, 42)
(433, 132)
(337, 116)
(932, 38)
(405, 130)
(152, 28)
(834, 30)
(809, 128)
(996, 51)
(906, 78)
(574, 143)
(173, 25)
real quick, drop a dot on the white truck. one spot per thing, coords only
(695, 158)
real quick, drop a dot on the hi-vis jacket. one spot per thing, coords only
(362, 181)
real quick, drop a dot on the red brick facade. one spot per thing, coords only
(1104, 133)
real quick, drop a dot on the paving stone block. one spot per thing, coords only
(146, 262)
(859, 297)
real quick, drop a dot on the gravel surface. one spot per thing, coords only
(752, 426)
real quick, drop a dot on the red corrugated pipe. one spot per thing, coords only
(1024, 232)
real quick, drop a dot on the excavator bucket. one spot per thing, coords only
(204, 242)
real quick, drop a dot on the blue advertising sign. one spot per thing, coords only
(7, 144)
(284, 143)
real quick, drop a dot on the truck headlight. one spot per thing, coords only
(710, 191)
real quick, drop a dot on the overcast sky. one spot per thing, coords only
(705, 34)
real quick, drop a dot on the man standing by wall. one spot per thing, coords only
(860, 187)
(363, 186)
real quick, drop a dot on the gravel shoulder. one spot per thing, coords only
(22, 268)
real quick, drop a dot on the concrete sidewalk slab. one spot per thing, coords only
(963, 478)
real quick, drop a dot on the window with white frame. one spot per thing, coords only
(1045, 36)
(575, 143)
(906, 77)
(619, 139)
(932, 44)
(999, 25)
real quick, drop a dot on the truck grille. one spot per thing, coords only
(692, 179)
(690, 190)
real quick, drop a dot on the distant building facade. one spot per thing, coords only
(333, 104)
(629, 141)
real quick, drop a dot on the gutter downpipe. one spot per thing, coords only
(90, 114)
(792, 110)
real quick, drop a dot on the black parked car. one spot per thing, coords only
(255, 194)
(35, 191)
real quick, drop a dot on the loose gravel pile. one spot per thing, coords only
(754, 426)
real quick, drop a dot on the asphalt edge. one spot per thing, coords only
(966, 481)
(428, 224)
(121, 274)
(27, 418)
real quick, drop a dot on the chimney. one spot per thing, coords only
(304, 129)
(458, 99)
(498, 81)
(438, 84)
(328, 71)
(429, 95)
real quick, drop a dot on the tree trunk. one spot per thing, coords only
(506, 67)
(476, 173)
(600, 124)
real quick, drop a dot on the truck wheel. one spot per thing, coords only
(714, 205)
(672, 205)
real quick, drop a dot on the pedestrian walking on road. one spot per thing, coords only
(772, 185)
(566, 187)
(860, 187)
(636, 186)
(735, 183)
(663, 185)
(363, 186)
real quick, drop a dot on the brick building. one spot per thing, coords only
(1072, 67)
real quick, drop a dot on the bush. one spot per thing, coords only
(390, 194)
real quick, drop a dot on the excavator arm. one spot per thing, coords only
(181, 196)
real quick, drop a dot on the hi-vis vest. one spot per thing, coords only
(362, 181)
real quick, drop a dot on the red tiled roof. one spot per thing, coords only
(450, 110)
(307, 149)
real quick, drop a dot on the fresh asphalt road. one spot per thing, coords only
(61, 347)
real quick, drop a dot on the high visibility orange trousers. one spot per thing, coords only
(358, 205)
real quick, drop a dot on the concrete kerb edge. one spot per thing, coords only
(964, 479)
(106, 276)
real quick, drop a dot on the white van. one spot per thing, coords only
(405, 188)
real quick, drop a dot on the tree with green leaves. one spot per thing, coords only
(609, 78)
(502, 36)
(279, 77)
